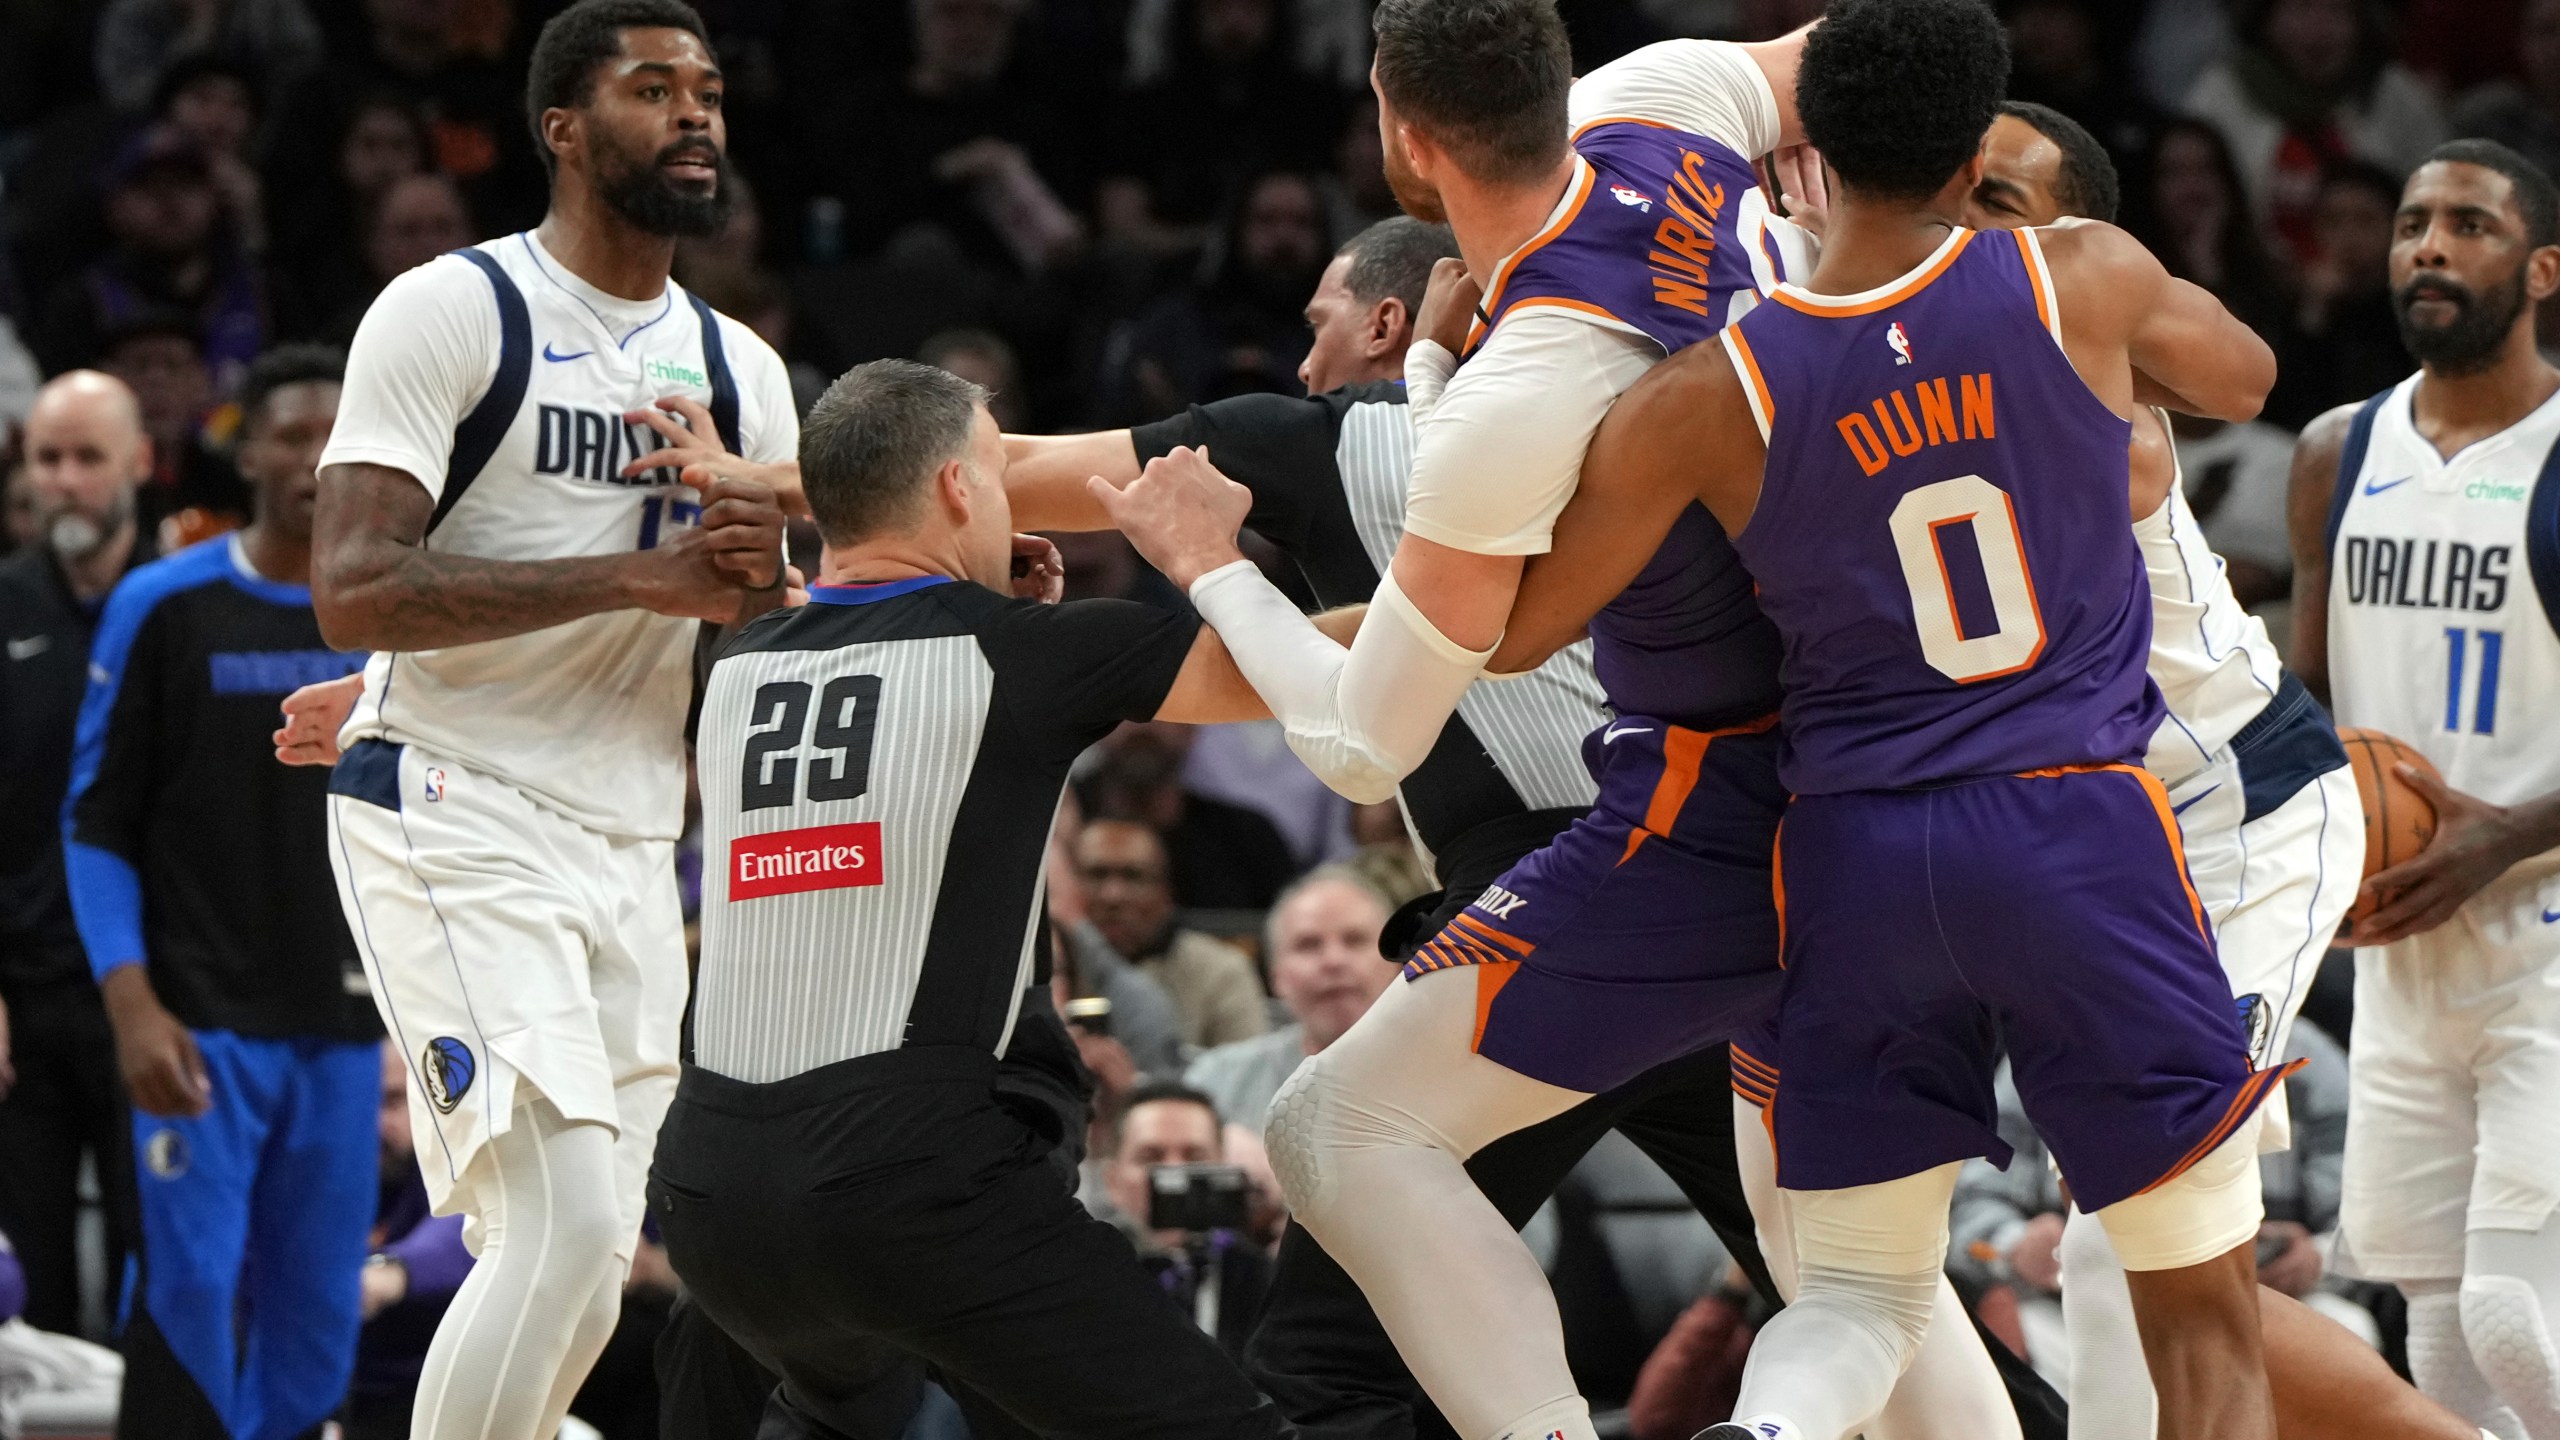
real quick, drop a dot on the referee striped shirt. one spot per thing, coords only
(879, 770)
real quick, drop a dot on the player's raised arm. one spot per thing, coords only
(1643, 469)
(1045, 475)
(2195, 356)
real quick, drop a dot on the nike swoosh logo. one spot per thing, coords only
(2192, 799)
(2371, 488)
(30, 648)
(1614, 731)
(2551, 917)
(583, 354)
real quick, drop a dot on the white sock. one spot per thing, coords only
(522, 1332)
(1568, 1419)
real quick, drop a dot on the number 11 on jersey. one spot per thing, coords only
(2484, 702)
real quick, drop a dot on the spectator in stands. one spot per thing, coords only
(1230, 104)
(1331, 43)
(1355, 190)
(2311, 83)
(1322, 941)
(141, 41)
(417, 1262)
(2191, 211)
(2350, 334)
(318, 235)
(212, 100)
(982, 357)
(415, 219)
(473, 107)
(973, 141)
(1241, 328)
(86, 455)
(1129, 898)
(2523, 113)
(21, 516)
(156, 353)
(172, 249)
(19, 377)
(2058, 60)
(1218, 1276)
(1225, 857)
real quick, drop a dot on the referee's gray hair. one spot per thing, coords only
(875, 438)
(1335, 873)
(1394, 257)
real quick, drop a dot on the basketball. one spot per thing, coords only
(2398, 821)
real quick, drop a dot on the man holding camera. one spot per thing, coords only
(1186, 1209)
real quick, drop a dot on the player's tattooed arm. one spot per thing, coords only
(376, 586)
(2315, 480)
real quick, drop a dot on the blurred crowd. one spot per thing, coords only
(1106, 210)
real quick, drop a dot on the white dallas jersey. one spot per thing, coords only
(506, 401)
(2213, 661)
(2444, 591)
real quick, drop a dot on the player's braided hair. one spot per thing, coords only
(2537, 199)
(2087, 185)
(1486, 79)
(1897, 93)
(562, 73)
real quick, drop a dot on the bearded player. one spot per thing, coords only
(496, 524)
(2426, 541)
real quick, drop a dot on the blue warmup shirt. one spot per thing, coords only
(186, 843)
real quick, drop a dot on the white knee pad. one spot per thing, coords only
(1295, 1136)
(2510, 1341)
(2210, 1209)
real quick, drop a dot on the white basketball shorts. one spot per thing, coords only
(509, 949)
(2453, 1114)
(2275, 889)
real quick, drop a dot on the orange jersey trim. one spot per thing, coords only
(2252, 1091)
(1682, 752)
(1584, 183)
(1812, 305)
(2159, 797)
(1489, 982)
(2031, 255)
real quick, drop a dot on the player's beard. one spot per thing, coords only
(1414, 195)
(640, 191)
(2477, 334)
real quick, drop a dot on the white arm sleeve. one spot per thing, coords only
(1706, 87)
(1427, 368)
(1503, 447)
(424, 354)
(1361, 718)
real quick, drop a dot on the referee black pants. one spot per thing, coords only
(844, 1224)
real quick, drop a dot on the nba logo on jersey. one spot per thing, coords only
(434, 784)
(1636, 198)
(1900, 340)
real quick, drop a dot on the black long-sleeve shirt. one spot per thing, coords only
(188, 847)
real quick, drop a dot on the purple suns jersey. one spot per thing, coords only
(1658, 238)
(1943, 536)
